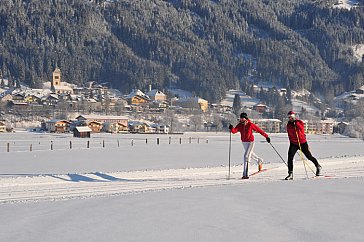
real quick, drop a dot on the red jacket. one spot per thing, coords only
(246, 131)
(295, 129)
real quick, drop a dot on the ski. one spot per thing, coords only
(258, 172)
(323, 176)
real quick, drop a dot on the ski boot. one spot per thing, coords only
(260, 166)
(318, 170)
(290, 176)
(245, 177)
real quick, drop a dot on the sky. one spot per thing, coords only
(177, 192)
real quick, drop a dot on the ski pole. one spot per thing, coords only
(229, 151)
(278, 154)
(301, 153)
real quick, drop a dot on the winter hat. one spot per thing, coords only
(291, 114)
(244, 115)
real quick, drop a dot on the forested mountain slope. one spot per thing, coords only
(203, 46)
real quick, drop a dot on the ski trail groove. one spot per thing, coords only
(76, 186)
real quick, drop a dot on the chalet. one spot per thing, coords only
(33, 99)
(18, 97)
(158, 106)
(260, 108)
(139, 127)
(103, 119)
(115, 127)
(82, 132)
(95, 126)
(137, 97)
(340, 127)
(50, 100)
(2, 126)
(161, 128)
(58, 126)
(17, 104)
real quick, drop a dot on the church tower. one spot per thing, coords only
(56, 80)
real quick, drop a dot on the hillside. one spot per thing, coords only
(206, 47)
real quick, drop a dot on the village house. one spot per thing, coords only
(95, 126)
(58, 126)
(160, 128)
(137, 97)
(115, 128)
(139, 127)
(319, 126)
(32, 98)
(97, 122)
(260, 107)
(50, 100)
(156, 95)
(340, 127)
(269, 125)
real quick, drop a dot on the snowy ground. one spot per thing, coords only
(176, 192)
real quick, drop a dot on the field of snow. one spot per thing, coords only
(129, 188)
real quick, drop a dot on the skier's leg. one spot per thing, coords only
(291, 152)
(258, 159)
(307, 152)
(248, 146)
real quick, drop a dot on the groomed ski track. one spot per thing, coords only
(50, 187)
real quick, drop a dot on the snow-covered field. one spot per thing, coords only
(116, 191)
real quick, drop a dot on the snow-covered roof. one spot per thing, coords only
(136, 92)
(83, 129)
(155, 92)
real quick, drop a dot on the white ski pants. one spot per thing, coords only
(248, 155)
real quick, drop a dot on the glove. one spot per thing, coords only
(231, 127)
(267, 139)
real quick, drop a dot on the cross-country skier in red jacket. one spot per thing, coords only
(246, 127)
(297, 139)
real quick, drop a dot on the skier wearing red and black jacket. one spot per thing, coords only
(246, 127)
(297, 138)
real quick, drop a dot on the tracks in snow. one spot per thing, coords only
(73, 186)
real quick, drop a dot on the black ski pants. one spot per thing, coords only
(305, 150)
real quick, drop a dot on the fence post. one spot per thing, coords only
(88, 144)
(198, 140)
(132, 142)
(190, 140)
(51, 145)
(207, 141)
(8, 147)
(118, 144)
(70, 145)
(157, 141)
(146, 141)
(30, 148)
(180, 140)
(169, 140)
(103, 143)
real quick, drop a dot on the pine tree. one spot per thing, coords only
(236, 104)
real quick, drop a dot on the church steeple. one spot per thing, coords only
(56, 77)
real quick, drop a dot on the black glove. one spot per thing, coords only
(231, 127)
(267, 139)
